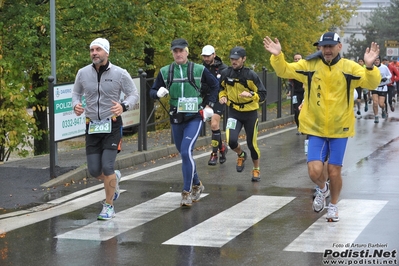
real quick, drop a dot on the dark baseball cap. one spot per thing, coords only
(237, 52)
(329, 38)
(178, 43)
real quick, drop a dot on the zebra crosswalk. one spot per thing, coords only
(237, 223)
(216, 231)
(225, 226)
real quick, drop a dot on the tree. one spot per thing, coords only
(26, 45)
(17, 127)
(140, 33)
(297, 24)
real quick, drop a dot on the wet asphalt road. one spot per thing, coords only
(236, 222)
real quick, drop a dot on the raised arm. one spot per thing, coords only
(371, 54)
(274, 47)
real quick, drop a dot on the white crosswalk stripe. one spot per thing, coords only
(48, 211)
(355, 215)
(223, 227)
(127, 219)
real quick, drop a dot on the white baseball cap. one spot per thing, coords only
(208, 50)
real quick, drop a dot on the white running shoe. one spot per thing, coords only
(196, 192)
(332, 213)
(186, 199)
(117, 189)
(319, 201)
(107, 212)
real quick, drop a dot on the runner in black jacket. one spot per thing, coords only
(215, 65)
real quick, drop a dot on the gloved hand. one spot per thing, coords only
(207, 114)
(162, 92)
(383, 79)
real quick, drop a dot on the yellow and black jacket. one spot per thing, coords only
(329, 92)
(235, 82)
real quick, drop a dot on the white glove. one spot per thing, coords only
(208, 113)
(162, 92)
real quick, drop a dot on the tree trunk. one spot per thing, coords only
(41, 144)
(149, 60)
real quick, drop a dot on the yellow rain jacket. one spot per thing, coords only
(327, 110)
(234, 82)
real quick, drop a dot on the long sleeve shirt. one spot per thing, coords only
(329, 92)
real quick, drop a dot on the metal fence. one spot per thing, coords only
(275, 87)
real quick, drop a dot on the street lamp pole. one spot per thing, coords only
(53, 146)
(52, 40)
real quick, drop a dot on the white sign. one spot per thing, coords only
(132, 117)
(68, 125)
(392, 51)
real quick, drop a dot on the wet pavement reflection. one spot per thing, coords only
(236, 222)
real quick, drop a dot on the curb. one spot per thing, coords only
(135, 158)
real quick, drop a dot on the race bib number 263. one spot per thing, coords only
(100, 126)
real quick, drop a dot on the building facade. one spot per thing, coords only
(360, 19)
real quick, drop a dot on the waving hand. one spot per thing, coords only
(371, 54)
(273, 47)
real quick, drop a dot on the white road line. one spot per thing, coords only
(204, 154)
(9, 224)
(132, 176)
(223, 227)
(127, 219)
(354, 215)
(96, 190)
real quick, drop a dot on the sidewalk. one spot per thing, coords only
(25, 182)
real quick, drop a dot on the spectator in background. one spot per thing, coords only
(394, 82)
(395, 63)
(297, 94)
(385, 61)
(365, 92)
(215, 65)
(380, 93)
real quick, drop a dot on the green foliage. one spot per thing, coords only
(140, 33)
(17, 127)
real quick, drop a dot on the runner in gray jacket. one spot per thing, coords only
(102, 89)
(102, 83)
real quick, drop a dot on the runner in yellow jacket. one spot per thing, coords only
(327, 114)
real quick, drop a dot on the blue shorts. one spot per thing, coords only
(319, 148)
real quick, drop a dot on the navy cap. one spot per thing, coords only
(237, 52)
(329, 38)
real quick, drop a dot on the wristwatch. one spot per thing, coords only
(125, 106)
(211, 104)
(252, 93)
